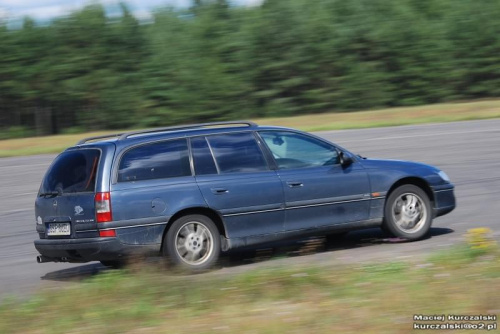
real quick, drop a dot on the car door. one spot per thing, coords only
(153, 181)
(318, 190)
(235, 179)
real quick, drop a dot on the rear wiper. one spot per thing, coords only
(50, 194)
(362, 157)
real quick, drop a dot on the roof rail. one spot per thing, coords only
(184, 127)
(125, 135)
(85, 140)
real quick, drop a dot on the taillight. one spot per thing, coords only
(103, 207)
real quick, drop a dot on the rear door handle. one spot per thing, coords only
(293, 184)
(219, 191)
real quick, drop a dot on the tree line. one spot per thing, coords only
(214, 61)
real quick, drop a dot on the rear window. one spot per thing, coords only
(155, 161)
(72, 172)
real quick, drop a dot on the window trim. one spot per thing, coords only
(305, 134)
(211, 154)
(190, 156)
(268, 155)
(116, 168)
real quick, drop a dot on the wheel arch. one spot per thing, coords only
(210, 213)
(416, 181)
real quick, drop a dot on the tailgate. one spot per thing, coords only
(65, 204)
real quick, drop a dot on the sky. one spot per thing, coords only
(43, 10)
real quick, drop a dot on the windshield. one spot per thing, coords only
(72, 172)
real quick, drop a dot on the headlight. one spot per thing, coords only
(444, 176)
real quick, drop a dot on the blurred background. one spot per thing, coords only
(73, 66)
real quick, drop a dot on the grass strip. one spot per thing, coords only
(362, 298)
(435, 113)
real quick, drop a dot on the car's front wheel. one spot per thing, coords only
(407, 213)
(192, 242)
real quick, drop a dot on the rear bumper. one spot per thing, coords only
(445, 201)
(88, 249)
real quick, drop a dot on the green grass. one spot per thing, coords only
(447, 112)
(375, 298)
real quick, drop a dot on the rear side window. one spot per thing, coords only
(204, 163)
(155, 161)
(72, 172)
(237, 152)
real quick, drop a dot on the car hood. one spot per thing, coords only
(402, 168)
(393, 170)
(398, 165)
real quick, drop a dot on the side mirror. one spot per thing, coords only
(345, 159)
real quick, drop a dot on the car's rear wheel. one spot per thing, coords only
(192, 242)
(407, 213)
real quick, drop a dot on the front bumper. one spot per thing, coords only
(444, 200)
(87, 249)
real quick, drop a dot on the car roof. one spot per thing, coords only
(126, 139)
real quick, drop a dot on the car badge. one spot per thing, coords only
(78, 210)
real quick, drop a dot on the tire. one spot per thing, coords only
(192, 243)
(407, 213)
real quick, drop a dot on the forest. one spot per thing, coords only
(214, 61)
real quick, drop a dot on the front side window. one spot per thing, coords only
(237, 152)
(155, 161)
(294, 150)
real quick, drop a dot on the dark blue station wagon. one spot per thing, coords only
(190, 192)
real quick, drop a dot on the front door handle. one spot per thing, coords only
(294, 184)
(219, 191)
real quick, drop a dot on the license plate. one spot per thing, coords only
(59, 229)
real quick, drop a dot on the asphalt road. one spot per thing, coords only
(469, 152)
